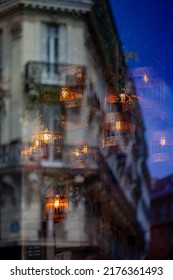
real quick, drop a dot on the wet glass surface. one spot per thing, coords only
(74, 181)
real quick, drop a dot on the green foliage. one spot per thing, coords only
(39, 95)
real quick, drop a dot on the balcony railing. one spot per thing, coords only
(10, 154)
(40, 73)
(13, 154)
(76, 157)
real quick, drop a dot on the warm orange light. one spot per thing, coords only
(37, 143)
(26, 152)
(46, 137)
(85, 149)
(146, 79)
(64, 93)
(118, 125)
(111, 98)
(163, 141)
(56, 203)
(77, 153)
(123, 97)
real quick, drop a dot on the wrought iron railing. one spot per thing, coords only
(10, 154)
(42, 73)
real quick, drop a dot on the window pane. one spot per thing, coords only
(0, 53)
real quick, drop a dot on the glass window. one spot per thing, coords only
(54, 43)
(162, 212)
(1, 45)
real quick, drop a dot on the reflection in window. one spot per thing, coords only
(162, 141)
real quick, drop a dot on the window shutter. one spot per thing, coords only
(62, 43)
(1, 55)
(44, 42)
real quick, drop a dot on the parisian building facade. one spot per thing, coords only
(74, 183)
(161, 244)
(154, 97)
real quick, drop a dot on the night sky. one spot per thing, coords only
(146, 28)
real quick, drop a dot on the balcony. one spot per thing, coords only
(55, 156)
(65, 5)
(17, 154)
(59, 86)
(10, 154)
(81, 157)
(40, 73)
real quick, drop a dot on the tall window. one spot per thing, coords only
(1, 103)
(53, 52)
(0, 53)
(54, 43)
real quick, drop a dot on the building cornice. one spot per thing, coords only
(82, 6)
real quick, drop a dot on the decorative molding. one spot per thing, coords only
(82, 6)
(16, 31)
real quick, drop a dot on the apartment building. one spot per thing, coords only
(154, 97)
(161, 244)
(73, 177)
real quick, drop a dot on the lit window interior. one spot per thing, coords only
(146, 79)
(163, 141)
(118, 125)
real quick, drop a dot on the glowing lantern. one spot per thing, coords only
(56, 203)
(46, 137)
(118, 128)
(37, 143)
(122, 97)
(163, 141)
(146, 79)
(64, 93)
(118, 125)
(85, 149)
(77, 153)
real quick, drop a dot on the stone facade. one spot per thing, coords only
(77, 197)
